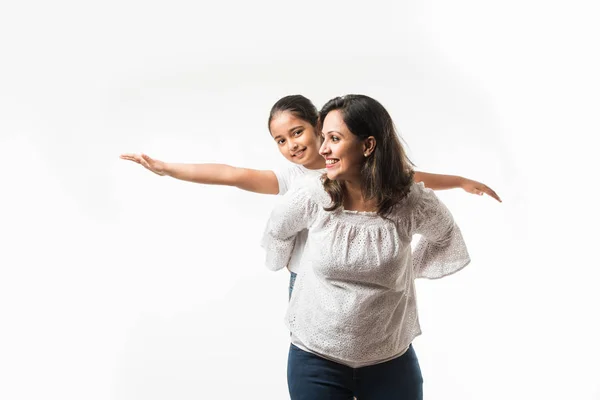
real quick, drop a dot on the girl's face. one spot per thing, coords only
(343, 151)
(297, 140)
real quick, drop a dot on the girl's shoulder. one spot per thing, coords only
(311, 187)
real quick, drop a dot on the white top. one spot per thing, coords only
(355, 299)
(286, 178)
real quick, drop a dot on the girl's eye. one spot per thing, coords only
(281, 141)
(298, 133)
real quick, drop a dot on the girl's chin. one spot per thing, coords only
(296, 161)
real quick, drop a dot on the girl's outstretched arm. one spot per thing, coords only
(253, 180)
(442, 182)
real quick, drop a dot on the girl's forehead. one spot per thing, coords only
(286, 122)
(287, 117)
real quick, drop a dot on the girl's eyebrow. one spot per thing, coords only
(294, 128)
(289, 131)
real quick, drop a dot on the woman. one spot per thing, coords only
(353, 315)
(293, 126)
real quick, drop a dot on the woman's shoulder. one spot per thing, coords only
(415, 192)
(415, 199)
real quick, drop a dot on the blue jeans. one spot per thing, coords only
(311, 377)
(292, 281)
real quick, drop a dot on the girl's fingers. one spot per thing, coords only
(491, 193)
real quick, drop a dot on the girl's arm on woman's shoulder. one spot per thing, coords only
(443, 182)
(253, 180)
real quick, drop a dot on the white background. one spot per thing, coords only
(118, 284)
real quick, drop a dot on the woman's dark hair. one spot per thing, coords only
(299, 106)
(387, 173)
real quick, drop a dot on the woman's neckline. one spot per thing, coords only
(357, 212)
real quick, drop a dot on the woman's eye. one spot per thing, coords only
(335, 138)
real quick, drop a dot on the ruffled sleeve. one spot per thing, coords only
(295, 212)
(441, 251)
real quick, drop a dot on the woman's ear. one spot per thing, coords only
(369, 146)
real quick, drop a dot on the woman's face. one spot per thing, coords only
(296, 139)
(343, 151)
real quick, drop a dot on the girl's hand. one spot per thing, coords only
(479, 188)
(156, 166)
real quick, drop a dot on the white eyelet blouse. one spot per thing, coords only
(354, 301)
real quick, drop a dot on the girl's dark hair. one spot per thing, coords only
(298, 105)
(387, 173)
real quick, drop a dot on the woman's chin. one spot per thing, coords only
(333, 176)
